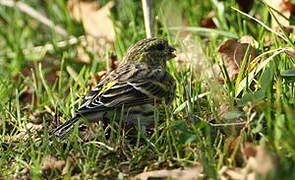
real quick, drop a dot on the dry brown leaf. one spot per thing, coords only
(249, 151)
(226, 173)
(208, 22)
(50, 162)
(82, 55)
(96, 21)
(184, 174)
(290, 6)
(249, 40)
(258, 162)
(281, 6)
(258, 159)
(233, 53)
(97, 24)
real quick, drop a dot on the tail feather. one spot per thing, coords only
(63, 130)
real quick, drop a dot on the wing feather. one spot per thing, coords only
(141, 89)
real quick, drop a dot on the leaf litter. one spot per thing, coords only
(98, 26)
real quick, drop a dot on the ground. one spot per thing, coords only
(232, 118)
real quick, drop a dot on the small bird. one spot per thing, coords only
(136, 86)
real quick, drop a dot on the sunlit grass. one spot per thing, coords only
(189, 132)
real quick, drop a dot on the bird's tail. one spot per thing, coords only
(63, 130)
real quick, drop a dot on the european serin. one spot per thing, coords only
(136, 86)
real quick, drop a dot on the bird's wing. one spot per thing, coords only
(131, 92)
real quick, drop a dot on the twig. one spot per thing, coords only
(227, 124)
(35, 14)
(49, 47)
(147, 8)
(61, 44)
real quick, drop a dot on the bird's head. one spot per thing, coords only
(153, 51)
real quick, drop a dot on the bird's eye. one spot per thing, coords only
(160, 47)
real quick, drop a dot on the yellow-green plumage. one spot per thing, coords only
(138, 84)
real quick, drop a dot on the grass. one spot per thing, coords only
(40, 89)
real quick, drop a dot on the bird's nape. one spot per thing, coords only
(155, 51)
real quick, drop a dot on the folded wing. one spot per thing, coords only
(128, 93)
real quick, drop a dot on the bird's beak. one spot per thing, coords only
(171, 52)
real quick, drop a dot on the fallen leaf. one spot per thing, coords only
(226, 173)
(50, 162)
(208, 21)
(97, 24)
(284, 7)
(184, 174)
(82, 55)
(249, 40)
(259, 163)
(96, 21)
(290, 6)
(249, 151)
(258, 159)
(233, 53)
